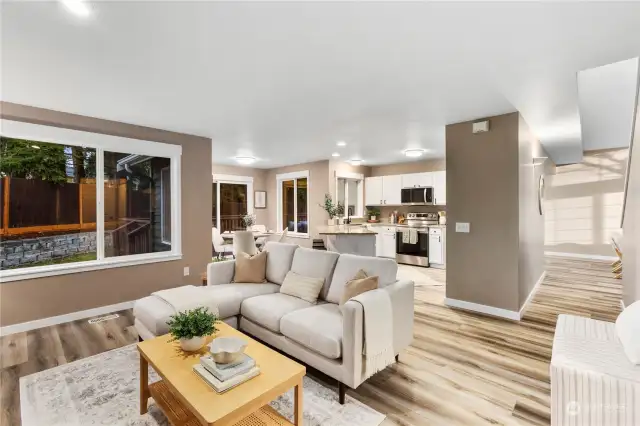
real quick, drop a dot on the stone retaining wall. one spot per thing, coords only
(18, 252)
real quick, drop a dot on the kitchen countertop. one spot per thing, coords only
(345, 230)
(402, 225)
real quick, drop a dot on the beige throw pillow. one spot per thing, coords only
(358, 285)
(251, 269)
(305, 288)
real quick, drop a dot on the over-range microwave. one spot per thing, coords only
(421, 196)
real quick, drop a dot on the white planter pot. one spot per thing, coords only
(373, 217)
(341, 221)
(193, 344)
(331, 222)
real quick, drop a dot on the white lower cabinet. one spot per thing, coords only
(436, 246)
(385, 241)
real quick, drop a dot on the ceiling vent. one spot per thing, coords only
(481, 126)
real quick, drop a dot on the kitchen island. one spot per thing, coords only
(351, 239)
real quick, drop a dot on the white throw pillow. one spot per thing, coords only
(305, 288)
(628, 331)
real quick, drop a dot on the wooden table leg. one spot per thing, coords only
(144, 385)
(297, 413)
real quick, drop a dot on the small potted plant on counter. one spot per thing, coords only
(192, 327)
(373, 214)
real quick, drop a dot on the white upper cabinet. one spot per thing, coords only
(373, 191)
(382, 190)
(440, 188)
(417, 179)
(391, 187)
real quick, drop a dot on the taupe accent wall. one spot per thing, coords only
(631, 226)
(491, 185)
(531, 222)
(584, 204)
(28, 300)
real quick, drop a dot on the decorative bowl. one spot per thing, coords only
(225, 350)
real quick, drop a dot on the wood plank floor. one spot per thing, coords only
(462, 369)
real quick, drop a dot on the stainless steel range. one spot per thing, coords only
(412, 240)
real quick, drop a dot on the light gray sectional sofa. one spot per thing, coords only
(324, 336)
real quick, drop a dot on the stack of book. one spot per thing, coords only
(222, 377)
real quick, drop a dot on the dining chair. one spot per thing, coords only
(260, 241)
(243, 242)
(219, 247)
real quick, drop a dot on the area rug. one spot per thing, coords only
(104, 390)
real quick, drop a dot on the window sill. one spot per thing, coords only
(72, 268)
(294, 235)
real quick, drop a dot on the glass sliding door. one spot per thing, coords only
(231, 202)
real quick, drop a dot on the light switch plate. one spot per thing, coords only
(186, 271)
(463, 227)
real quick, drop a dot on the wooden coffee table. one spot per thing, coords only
(187, 400)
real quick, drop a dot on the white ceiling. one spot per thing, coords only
(607, 99)
(284, 81)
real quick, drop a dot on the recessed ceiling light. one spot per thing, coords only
(77, 7)
(335, 154)
(414, 152)
(355, 162)
(341, 143)
(245, 160)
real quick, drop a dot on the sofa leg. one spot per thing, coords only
(140, 339)
(398, 358)
(342, 390)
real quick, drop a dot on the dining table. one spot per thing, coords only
(228, 235)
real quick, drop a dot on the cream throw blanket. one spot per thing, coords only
(378, 331)
(188, 297)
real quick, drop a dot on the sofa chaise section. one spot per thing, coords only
(325, 336)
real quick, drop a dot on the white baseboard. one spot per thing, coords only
(534, 290)
(580, 256)
(483, 309)
(496, 312)
(60, 319)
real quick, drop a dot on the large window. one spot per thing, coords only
(72, 201)
(350, 193)
(232, 200)
(293, 203)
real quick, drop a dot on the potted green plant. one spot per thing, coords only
(373, 213)
(331, 208)
(191, 327)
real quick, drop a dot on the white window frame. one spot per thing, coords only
(359, 211)
(238, 180)
(294, 176)
(163, 237)
(102, 143)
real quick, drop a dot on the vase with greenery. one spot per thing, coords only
(333, 209)
(191, 327)
(249, 220)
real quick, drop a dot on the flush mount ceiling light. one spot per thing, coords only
(245, 160)
(414, 152)
(341, 143)
(77, 7)
(355, 162)
(335, 154)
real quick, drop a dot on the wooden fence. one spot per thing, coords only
(31, 206)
